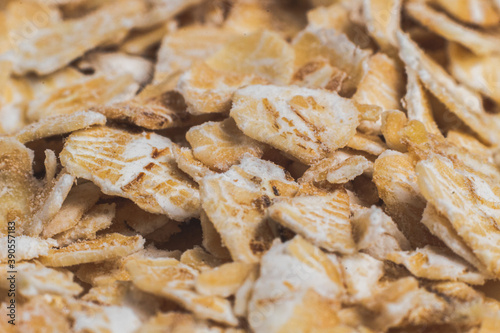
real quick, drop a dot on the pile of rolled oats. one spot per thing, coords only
(250, 166)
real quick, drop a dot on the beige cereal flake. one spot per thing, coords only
(191, 166)
(372, 144)
(376, 233)
(417, 104)
(140, 44)
(461, 196)
(465, 104)
(207, 90)
(104, 272)
(479, 73)
(320, 74)
(381, 83)
(112, 64)
(17, 184)
(82, 95)
(59, 125)
(106, 247)
(80, 199)
(305, 123)
(35, 279)
(219, 145)
(50, 164)
(67, 40)
(393, 123)
(212, 241)
(236, 203)
(477, 12)
(362, 273)
(441, 227)
(200, 259)
(480, 42)
(301, 284)
(383, 20)
(140, 167)
(181, 48)
(339, 168)
(334, 46)
(224, 280)
(396, 180)
(51, 201)
(26, 247)
(177, 322)
(263, 54)
(98, 218)
(173, 280)
(44, 315)
(380, 86)
(138, 219)
(153, 108)
(254, 15)
(322, 218)
(435, 263)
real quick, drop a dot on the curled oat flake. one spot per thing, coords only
(50, 164)
(190, 165)
(372, 144)
(381, 83)
(200, 259)
(212, 241)
(393, 123)
(320, 74)
(116, 63)
(224, 280)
